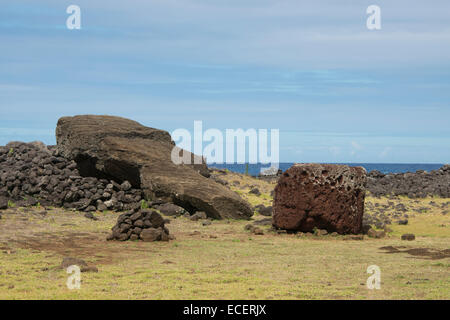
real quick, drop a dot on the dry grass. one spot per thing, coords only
(223, 261)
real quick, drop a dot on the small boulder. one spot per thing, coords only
(198, 216)
(3, 203)
(89, 215)
(255, 191)
(408, 237)
(125, 186)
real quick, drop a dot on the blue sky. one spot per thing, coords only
(337, 91)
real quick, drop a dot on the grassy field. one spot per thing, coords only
(222, 260)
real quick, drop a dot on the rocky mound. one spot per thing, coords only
(146, 225)
(320, 196)
(413, 185)
(121, 149)
(32, 173)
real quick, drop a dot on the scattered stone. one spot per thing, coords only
(380, 234)
(263, 210)
(403, 222)
(198, 216)
(147, 225)
(89, 215)
(408, 237)
(372, 233)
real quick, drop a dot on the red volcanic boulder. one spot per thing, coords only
(322, 196)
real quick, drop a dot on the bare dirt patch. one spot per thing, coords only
(63, 233)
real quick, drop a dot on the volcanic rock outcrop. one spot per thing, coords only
(122, 149)
(417, 184)
(320, 196)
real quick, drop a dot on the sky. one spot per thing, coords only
(337, 91)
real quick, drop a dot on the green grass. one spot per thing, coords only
(220, 261)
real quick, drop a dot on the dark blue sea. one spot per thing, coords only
(255, 169)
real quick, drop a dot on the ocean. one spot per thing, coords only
(255, 169)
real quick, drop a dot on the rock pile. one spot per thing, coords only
(32, 173)
(320, 196)
(145, 225)
(414, 185)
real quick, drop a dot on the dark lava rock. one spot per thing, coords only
(255, 191)
(122, 149)
(263, 210)
(89, 215)
(198, 216)
(69, 261)
(3, 203)
(322, 196)
(171, 209)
